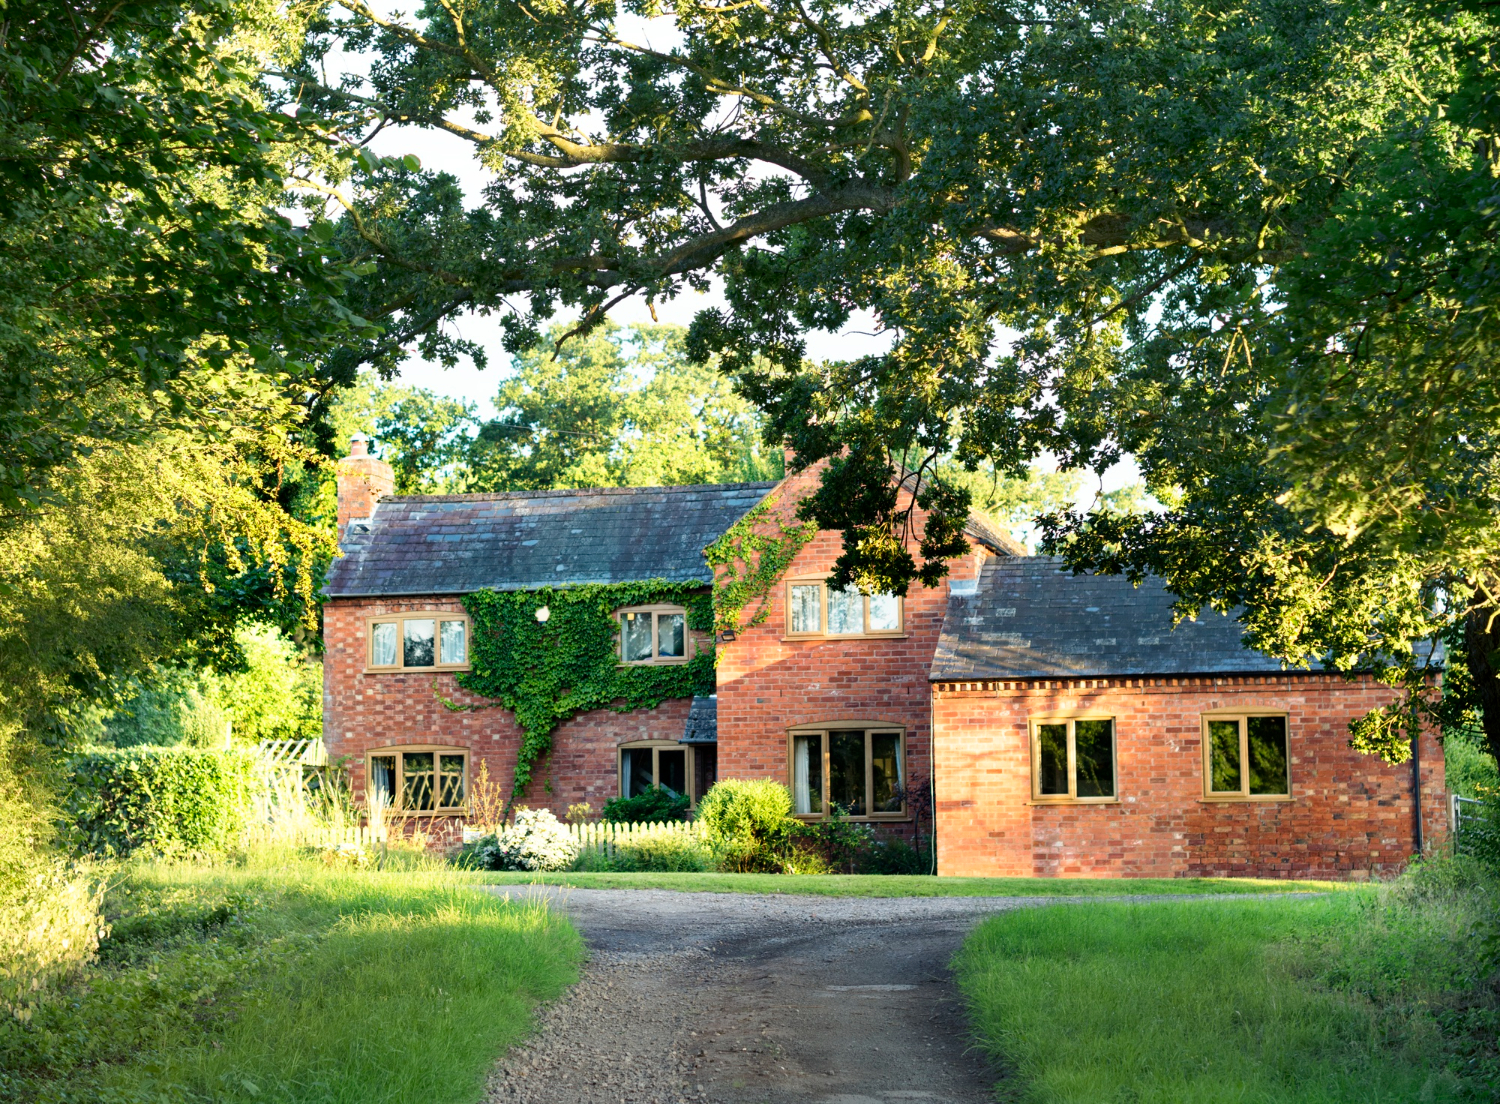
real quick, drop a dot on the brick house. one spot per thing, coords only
(1062, 724)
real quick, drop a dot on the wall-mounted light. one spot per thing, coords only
(542, 614)
(726, 636)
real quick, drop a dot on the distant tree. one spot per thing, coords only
(619, 406)
(276, 694)
(1015, 502)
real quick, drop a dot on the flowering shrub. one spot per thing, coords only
(535, 840)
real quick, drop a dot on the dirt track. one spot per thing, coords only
(745, 999)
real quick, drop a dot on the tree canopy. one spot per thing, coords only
(1253, 247)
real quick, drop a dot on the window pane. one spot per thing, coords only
(807, 774)
(454, 646)
(383, 773)
(671, 770)
(885, 772)
(451, 781)
(807, 608)
(635, 636)
(383, 645)
(671, 634)
(846, 612)
(416, 782)
(1052, 759)
(418, 644)
(846, 771)
(885, 613)
(636, 770)
(1094, 754)
(1267, 738)
(1224, 756)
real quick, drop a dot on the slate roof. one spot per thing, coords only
(702, 725)
(522, 540)
(1028, 618)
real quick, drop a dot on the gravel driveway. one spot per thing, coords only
(747, 999)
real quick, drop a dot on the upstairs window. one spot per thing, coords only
(1246, 757)
(425, 641)
(816, 609)
(653, 634)
(1073, 759)
(419, 779)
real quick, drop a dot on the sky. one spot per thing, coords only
(443, 152)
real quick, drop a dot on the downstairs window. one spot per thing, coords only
(859, 771)
(1246, 757)
(419, 779)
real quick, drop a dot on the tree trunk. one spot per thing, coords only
(1482, 648)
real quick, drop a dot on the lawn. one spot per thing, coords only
(900, 885)
(1349, 997)
(296, 984)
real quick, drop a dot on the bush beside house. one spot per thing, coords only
(163, 800)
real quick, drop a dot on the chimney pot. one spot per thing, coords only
(362, 481)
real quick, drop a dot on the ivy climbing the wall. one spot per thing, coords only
(546, 672)
(747, 561)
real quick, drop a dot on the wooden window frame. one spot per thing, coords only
(1071, 719)
(870, 728)
(400, 751)
(689, 639)
(656, 747)
(1244, 794)
(823, 634)
(437, 617)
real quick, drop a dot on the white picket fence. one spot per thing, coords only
(600, 837)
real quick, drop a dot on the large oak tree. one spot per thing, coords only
(1253, 247)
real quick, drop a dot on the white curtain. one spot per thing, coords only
(801, 792)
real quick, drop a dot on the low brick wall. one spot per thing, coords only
(1350, 816)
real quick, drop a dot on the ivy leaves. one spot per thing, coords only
(546, 672)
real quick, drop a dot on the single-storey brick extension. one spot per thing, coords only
(1064, 725)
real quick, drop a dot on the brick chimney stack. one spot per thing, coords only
(362, 481)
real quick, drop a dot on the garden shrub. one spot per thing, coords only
(535, 840)
(895, 856)
(747, 823)
(654, 806)
(167, 801)
(664, 852)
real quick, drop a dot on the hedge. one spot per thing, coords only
(166, 800)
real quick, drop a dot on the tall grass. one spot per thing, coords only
(1269, 1001)
(293, 983)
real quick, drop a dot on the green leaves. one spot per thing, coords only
(545, 673)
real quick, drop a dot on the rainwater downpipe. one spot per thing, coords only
(1416, 789)
(932, 765)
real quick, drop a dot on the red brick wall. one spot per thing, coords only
(1351, 815)
(767, 684)
(364, 711)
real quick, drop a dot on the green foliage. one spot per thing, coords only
(1354, 997)
(667, 852)
(546, 673)
(749, 559)
(276, 695)
(1014, 501)
(165, 801)
(654, 806)
(747, 823)
(617, 407)
(1468, 769)
(1253, 246)
(280, 982)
